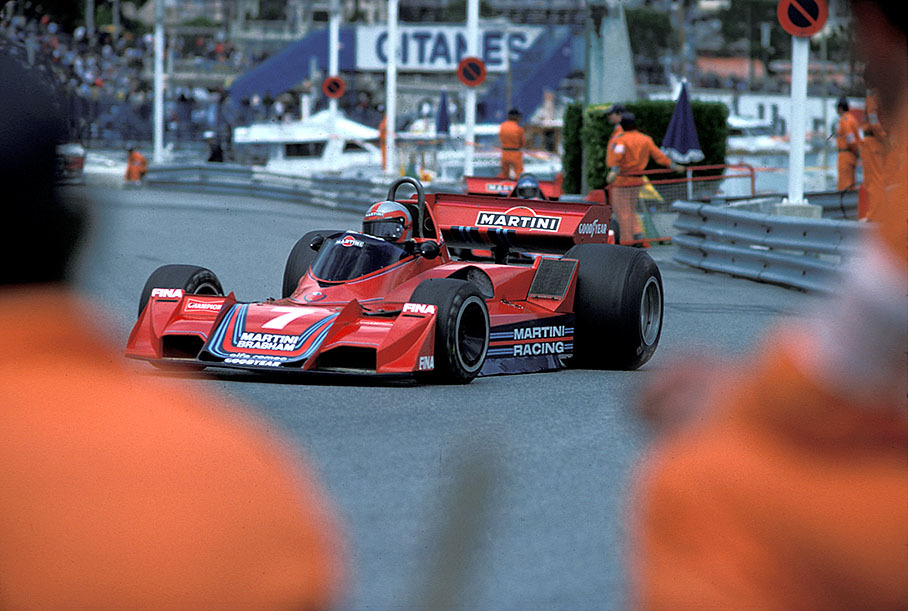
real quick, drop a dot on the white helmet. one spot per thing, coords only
(388, 220)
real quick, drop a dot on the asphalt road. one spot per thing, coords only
(508, 493)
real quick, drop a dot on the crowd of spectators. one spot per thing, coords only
(100, 78)
(104, 82)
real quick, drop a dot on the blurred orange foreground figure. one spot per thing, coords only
(782, 482)
(121, 491)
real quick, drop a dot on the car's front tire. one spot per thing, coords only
(461, 328)
(192, 279)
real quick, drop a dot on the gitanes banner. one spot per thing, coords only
(439, 48)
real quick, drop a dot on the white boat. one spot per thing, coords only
(315, 144)
(747, 135)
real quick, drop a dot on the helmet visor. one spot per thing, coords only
(387, 229)
(528, 192)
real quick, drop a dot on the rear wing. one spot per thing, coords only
(504, 187)
(508, 223)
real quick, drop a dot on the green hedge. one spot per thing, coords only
(572, 142)
(652, 119)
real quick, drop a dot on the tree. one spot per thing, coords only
(745, 25)
(650, 32)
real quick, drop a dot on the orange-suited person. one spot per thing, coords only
(779, 481)
(848, 145)
(873, 153)
(383, 141)
(513, 140)
(122, 491)
(614, 114)
(629, 155)
(136, 166)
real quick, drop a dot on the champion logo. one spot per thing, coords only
(198, 305)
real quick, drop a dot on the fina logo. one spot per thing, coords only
(418, 308)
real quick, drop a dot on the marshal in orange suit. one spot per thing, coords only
(848, 145)
(513, 140)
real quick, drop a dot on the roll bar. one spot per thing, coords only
(420, 200)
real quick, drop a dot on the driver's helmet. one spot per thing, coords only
(528, 188)
(388, 220)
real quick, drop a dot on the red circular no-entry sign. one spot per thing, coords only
(802, 17)
(471, 71)
(333, 87)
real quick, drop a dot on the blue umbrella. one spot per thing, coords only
(681, 143)
(442, 121)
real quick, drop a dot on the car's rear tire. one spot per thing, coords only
(461, 328)
(299, 260)
(616, 229)
(193, 279)
(618, 307)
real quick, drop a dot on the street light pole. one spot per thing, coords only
(333, 49)
(158, 154)
(473, 51)
(800, 52)
(391, 87)
(116, 19)
(90, 19)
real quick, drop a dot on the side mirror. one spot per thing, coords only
(429, 250)
(316, 242)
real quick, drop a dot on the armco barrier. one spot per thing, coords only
(835, 204)
(344, 193)
(347, 192)
(793, 251)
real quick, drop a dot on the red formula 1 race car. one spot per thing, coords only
(392, 299)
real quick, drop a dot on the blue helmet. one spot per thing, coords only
(528, 187)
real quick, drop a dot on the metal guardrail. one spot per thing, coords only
(337, 192)
(793, 251)
(342, 192)
(835, 204)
